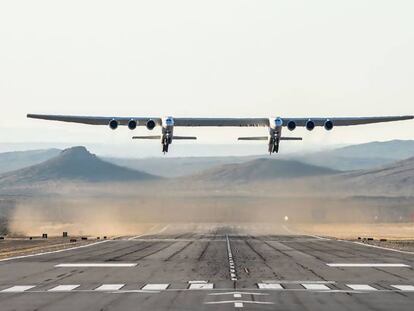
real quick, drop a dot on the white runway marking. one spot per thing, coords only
(368, 265)
(155, 287)
(96, 265)
(269, 286)
(297, 282)
(380, 247)
(109, 287)
(309, 235)
(360, 287)
(233, 275)
(237, 295)
(201, 286)
(63, 288)
(238, 304)
(53, 252)
(18, 288)
(316, 286)
(404, 288)
(239, 301)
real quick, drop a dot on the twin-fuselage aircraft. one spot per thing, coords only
(273, 124)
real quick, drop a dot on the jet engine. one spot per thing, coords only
(132, 124)
(328, 125)
(113, 124)
(291, 125)
(151, 124)
(310, 125)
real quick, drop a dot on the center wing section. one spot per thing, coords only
(235, 122)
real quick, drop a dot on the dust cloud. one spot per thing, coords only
(133, 209)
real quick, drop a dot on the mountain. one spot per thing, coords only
(176, 167)
(261, 170)
(362, 156)
(10, 161)
(393, 149)
(73, 164)
(394, 178)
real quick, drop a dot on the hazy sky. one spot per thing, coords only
(205, 58)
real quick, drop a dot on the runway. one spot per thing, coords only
(211, 267)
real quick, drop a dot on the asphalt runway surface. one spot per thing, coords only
(211, 267)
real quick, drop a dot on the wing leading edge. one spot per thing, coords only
(347, 121)
(220, 122)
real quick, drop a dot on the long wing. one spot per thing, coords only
(93, 120)
(347, 121)
(190, 122)
(234, 122)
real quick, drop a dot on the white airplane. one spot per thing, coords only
(167, 124)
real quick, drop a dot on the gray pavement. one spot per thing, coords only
(211, 267)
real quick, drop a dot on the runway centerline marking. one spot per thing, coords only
(96, 265)
(233, 274)
(367, 265)
(63, 288)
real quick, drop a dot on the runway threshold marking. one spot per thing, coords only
(368, 265)
(238, 293)
(269, 286)
(239, 301)
(196, 286)
(311, 286)
(155, 287)
(297, 282)
(96, 265)
(404, 288)
(109, 287)
(63, 288)
(18, 288)
(363, 287)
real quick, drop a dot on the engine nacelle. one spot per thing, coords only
(291, 125)
(151, 124)
(310, 125)
(132, 124)
(328, 125)
(113, 124)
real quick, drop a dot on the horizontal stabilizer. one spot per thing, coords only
(147, 137)
(184, 137)
(254, 138)
(290, 138)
